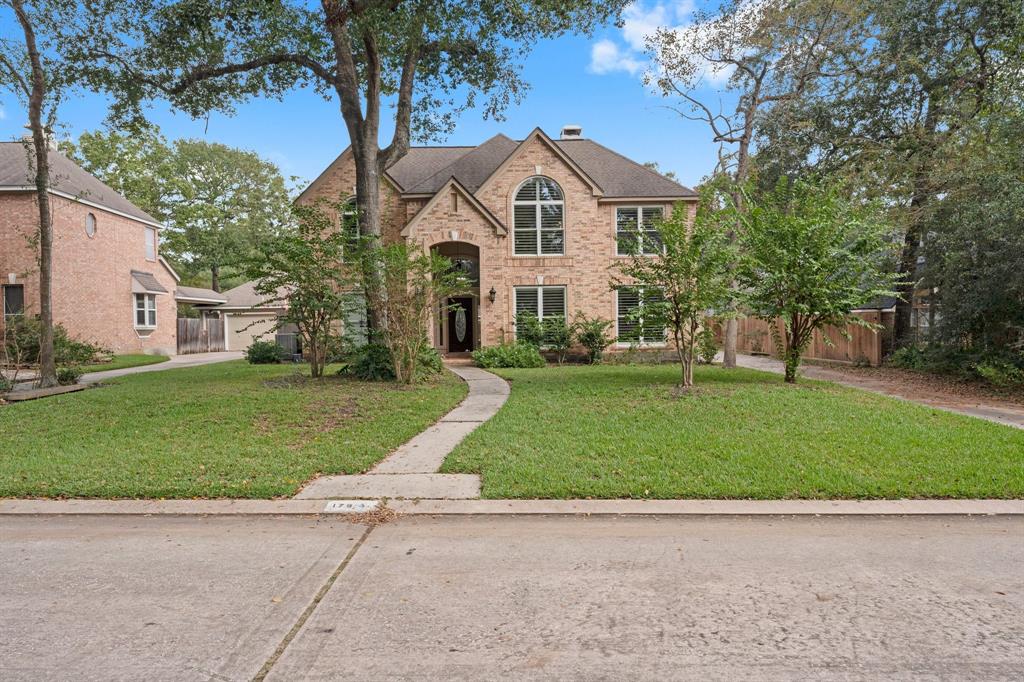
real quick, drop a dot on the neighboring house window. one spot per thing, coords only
(150, 243)
(90, 225)
(539, 219)
(635, 230)
(544, 302)
(350, 225)
(631, 327)
(14, 300)
(145, 311)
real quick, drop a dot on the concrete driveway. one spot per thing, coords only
(107, 597)
(176, 362)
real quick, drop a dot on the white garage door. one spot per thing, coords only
(244, 328)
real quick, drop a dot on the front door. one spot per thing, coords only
(460, 325)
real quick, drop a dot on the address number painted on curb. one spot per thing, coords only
(350, 506)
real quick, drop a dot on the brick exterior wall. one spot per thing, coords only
(92, 284)
(585, 269)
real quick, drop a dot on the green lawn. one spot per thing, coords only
(122, 361)
(223, 430)
(622, 431)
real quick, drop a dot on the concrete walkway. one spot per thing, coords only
(410, 471)
(998, 413)
(176, 362)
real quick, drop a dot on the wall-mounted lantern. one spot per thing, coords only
(491, 295)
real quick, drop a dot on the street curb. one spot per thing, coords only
(13, 507)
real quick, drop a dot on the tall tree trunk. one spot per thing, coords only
(40, 143)
(920, 194)
(742, 173)
(215, 278)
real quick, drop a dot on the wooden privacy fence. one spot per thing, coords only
(197, 335)
(865, 346)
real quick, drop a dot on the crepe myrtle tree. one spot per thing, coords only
(416, 283)
(302, 271)
(427, 59)
(691, 276)
(810, 256)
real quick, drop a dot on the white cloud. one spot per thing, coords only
(607, 57)
(639, 20)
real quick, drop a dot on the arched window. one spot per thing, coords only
(90, 224)
(539, 226)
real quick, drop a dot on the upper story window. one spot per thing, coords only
(14, 299)
(90, 224)
(635, 230)
(350, 225)
(150, 243)
(539, 228)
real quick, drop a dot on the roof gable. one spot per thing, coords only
(471, 169)
(541, 136)
(454, 185)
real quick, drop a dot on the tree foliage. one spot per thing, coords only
(217, 202)
(301, 269)
(810, 257)
(692, 276)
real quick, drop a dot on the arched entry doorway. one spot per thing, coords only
(457, 324)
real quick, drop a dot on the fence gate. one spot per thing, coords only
(196, 335)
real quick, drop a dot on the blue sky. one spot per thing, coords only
(594, 82)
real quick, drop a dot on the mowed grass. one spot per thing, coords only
(123, 361)
(222, 430)
(623, 431)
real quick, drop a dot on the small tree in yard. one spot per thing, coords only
(415, 283)
(302, 269)
(592, 333)
(692, 276)
(810, 257)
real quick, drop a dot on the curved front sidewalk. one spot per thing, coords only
(411, 471)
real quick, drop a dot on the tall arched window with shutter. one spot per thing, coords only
(539, 212)
(350, 225)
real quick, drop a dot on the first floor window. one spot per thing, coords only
(544, 302)
(14, 300)
(632, 325)
(145, 311)
(636, 231)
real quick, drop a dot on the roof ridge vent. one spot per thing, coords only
(572, 132)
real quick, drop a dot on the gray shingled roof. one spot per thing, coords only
(65, 176)
(617, 175)
(470, 169)
(245, 296)
(424, 170)
(198, 293)
(148, 282)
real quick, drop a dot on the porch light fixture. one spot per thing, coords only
(491, 295)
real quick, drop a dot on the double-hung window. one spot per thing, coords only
(14, 300)
(633, 326)
(145, 311)
(636, 230)
(539, 225)
(544, 302)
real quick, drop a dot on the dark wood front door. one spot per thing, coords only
(460, 325)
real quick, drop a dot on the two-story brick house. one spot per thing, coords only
(110, 285)
(538, 224)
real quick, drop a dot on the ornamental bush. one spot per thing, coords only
(519, 354)
(68, 376)
(264, 353)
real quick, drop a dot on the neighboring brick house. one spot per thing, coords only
(110, 284)
(537, 223)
